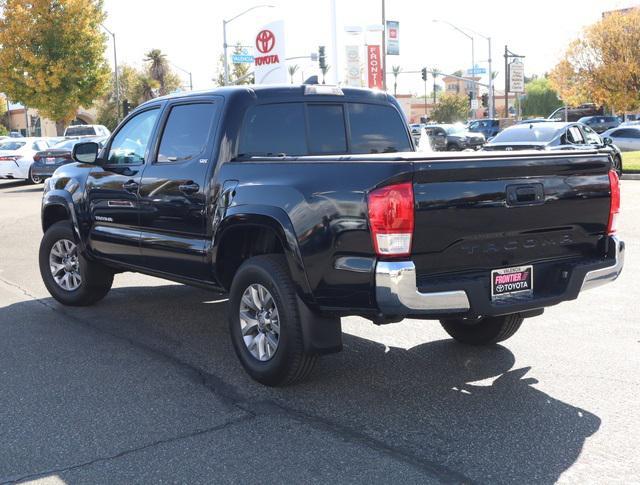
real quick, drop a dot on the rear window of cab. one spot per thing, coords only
(298, 129)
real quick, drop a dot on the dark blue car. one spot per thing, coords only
(47, 161)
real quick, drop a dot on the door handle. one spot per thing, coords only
(131, 186)
(189, 188)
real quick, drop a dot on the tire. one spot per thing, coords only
(617, 165)
(34, 179)
(288, 363)
(485, 331)
(88, 283)
(452, 148)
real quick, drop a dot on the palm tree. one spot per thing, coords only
(292, 70)
(158, 68)
(396, 70)
(146, 88)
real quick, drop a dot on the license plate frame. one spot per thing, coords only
(516, 280)
(50, 160)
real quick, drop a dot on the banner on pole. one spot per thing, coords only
(354, 77)
(374, 66)
(393, 37)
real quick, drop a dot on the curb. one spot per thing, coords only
(631, 176)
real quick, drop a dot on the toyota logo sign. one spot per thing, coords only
(265, 41)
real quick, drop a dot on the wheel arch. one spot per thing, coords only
(57, 207)
(250, 231)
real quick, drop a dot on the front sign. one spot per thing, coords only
(242, 58)
(516, 77)
(393, 37)
(353, 66)
(269, 60)
(374, 66)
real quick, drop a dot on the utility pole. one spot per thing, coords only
(435, 75)
(384, 48)
(491, 103)
(115, 62)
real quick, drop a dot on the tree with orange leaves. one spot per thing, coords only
(603, 65)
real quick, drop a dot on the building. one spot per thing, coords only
(28, 121)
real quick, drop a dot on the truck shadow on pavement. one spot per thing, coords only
(457, 413)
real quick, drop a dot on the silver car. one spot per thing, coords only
(626, 138)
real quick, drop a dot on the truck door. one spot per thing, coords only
(174, 189)
(112, 190)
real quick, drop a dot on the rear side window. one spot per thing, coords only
(186, 132)
(376, 129)
(274, 129)
(326, 129)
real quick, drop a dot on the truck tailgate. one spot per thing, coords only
(488, 212)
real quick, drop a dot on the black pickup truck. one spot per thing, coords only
(308, 203)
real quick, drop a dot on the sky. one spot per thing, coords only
(190, 32)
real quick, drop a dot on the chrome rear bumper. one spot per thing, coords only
(397, 293)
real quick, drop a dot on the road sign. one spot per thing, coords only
(476, 70)
(242, 59)
(516, 77)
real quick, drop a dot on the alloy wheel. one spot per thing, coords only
(65, 265)
(259, 322)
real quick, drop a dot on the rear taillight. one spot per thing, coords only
(391, 219)
(8, 159)
(614, 209)
(37, 157)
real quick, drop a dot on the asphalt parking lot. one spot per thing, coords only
(144, 387)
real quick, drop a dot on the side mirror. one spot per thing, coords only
(607, 141)
(86, 152)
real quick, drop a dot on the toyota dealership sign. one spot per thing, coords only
(269, 61)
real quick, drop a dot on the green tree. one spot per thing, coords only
(52, 55)
(541, 99)
(236, 71)
(451, 107)
(159, 70)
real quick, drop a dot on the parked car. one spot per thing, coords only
(533, 120)
(625, 137)
(86, 130)
(554, 135)
(437, 135)
(416, 130)
(566, 113)
(600, 124)
(16, 158)
(47, 161)
(489, 127)
(306, 204)
(459, 138)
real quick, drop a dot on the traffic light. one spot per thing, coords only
(485, 100)
(126, 107)
(322, 58)
(470, 94)
(424, 73)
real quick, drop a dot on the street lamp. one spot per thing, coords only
(115, 62)
(186, 72)
(224, 37)
(473, 56)
(491, 101)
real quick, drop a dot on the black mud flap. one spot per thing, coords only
(322, 335)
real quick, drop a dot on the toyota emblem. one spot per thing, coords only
(265, 41)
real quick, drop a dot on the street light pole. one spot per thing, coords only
(384, 47)
(186, 72)
(473, 56)
(224, 38)
(115, 62)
